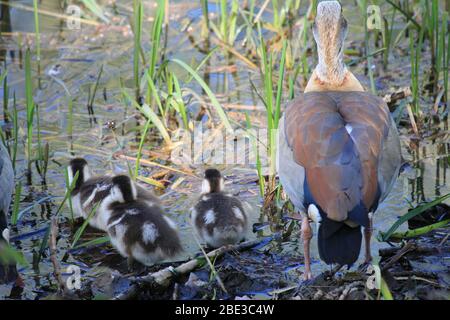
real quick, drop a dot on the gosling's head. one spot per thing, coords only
(79, 165)
(123, 189)
(212, 182)
(330, 30)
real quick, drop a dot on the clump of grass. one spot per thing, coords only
(226, 29)
(273, 106)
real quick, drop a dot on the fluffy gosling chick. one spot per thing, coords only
(89, 190)
(137, 229)
(218, 218)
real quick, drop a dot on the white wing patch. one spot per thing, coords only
(210, 217)
(5, 234)
(238, 213)
(149, 232)
(132, 212)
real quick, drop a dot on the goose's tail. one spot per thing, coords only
(338, 242)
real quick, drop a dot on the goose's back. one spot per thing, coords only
(343, 141)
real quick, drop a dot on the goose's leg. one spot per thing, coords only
(367, 237)
(306, 237)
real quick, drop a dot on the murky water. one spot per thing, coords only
(78, 56)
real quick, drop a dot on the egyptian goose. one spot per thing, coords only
(218, 217)
(7, 272)
(339, 151)
(139, 230)
(90, 190)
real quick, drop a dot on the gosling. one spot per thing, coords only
(218, 217)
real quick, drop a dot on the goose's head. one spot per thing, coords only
(212, 182)
(330, 30)
(123, 189)
(79, 165)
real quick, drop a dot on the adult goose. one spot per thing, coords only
(7, 271)
(339, 151)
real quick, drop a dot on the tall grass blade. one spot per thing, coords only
(222, 115)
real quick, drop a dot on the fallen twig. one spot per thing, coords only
(388, 252)
(392, 99)
(408, 247)
(53, 256)
(163, 278)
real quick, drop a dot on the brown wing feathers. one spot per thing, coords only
(341, 168)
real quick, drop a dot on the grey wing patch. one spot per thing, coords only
(147, 195)
(390, 161)
(6, 179)
(291, 174)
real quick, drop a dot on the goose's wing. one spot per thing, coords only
(337, 137)
(6, 179)
(390, 161)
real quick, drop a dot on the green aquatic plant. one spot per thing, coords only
(273, 106)
(138, 13)
(38, 39)
(156, 37)
(30, 108)
(221, 113)
(82, 228)
(225, 29)
(16, 205)
(385, 236)
(415, 58)
(96, 9)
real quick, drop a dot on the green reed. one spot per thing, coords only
(225, 28)
(82, 228)
(16, 205)
(442, 58)
(384, 236)
(137, 30)
(38, 38)
(156, 37)
(4, 80)
(415, 46)
(446, 58)
(30, 107)
(431, 21)
(215, 103)
(205, 11)
(273, 106)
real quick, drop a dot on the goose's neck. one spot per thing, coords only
(331, 68)
(331, 73)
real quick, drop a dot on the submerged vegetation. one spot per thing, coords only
(152, 73)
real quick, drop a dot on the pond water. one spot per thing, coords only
(71, 62)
